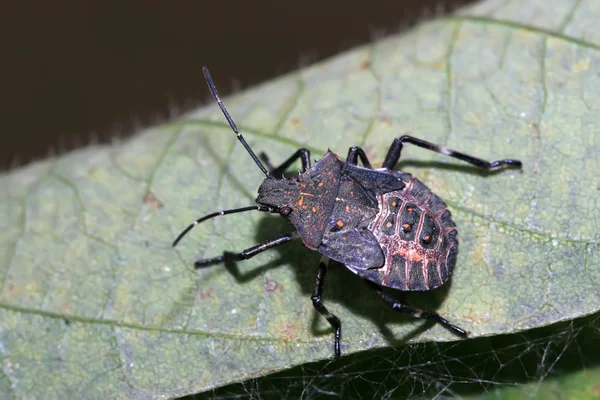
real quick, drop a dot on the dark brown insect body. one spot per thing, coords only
(386, 226)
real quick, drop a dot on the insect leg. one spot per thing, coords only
(354, 153)
(417, 313)
(316, 300)
(267, 160)
(393, 154)
(248, 253)
(277, 172)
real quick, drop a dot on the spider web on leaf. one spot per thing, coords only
(532, 364)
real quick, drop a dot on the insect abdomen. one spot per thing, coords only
(418, 238)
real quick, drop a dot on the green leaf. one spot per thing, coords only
(95, 302)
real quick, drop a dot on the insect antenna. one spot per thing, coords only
(234, 127)
(220, 214)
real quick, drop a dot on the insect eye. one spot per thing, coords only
(285, 211)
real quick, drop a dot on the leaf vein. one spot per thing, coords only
(516, 227)
(369, 130)
(525, 27)
(300, 85)
(133, 326)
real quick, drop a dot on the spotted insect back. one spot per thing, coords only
(418, 238)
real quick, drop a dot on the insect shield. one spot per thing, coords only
(384, 225)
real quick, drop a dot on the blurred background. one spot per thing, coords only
(76, 71)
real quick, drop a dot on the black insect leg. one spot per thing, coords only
(316, 299)
(354, 153)
(248, 253)
(417, 313)
(393, 154)
(277, 172)
(267, 160)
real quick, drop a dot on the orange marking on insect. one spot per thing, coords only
(301, 201)
(410, 209)
(389, 224)
(340, 223)
(321, 184)
(394, 204)
(427, 238)
(347, 208)
(407, 227)
(415, 257)
(314, 209)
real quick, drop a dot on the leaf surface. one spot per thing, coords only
(95, 302)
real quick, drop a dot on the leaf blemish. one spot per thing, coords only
(151, 200)
(291, 330)
(271, 285)
(206, 294)
(385, 119)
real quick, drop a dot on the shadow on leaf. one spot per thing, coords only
(556, 360)
(341, 287)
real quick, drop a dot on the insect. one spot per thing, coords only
(384, 225)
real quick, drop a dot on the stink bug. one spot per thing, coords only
(384, 225)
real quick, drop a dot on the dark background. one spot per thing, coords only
(75, 71)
